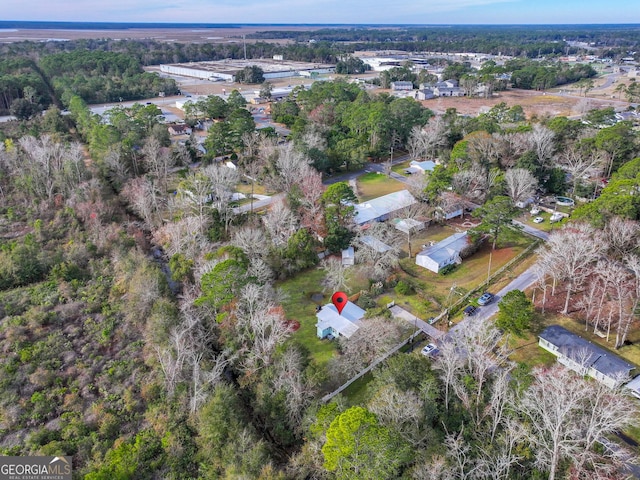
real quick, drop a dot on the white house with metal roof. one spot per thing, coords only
(443, 253)
(380, 209)
(583, 357)
(346, 323)
(420, 167)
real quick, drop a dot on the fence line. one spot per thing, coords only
(494, 275)
(373, 365)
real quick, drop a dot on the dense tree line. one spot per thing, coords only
(530, 41)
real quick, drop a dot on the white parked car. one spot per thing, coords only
(538, 220)
(534, 211)
(556, 217)
(430, 350)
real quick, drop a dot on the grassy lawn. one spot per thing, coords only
(356, 393)
(545, 226)
(373, 185)
(299, 306)
(257, 188)
(527, 351)
(400, 168)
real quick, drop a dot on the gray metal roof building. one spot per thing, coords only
(584, 357)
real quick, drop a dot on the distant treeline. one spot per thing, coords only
(515, 40)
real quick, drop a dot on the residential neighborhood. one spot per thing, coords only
(264, 252)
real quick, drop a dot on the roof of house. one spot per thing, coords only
(179, 128)
(378, 245)
(378, 207)
(585, 353)
(407, 224)
(445, 249)
(402, 83)
(345, 323)
(426, 165)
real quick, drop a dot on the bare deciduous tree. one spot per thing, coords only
(260, 325)
(437, 468)
(49, 167)
(567, 416)
(336, 275)
(483, 148)
(541, 142)
(473, 184)
(520, 183)
(157, 160)
(401, 410)
(311, 188)
(182, 236)
(578, 163)
(291, 379)
(510, 147)
(623, 236)
(377, 249)
(571, 253)
(374, 337)
(280, 223)
(145, 199)
(290, 165)
(252, 240)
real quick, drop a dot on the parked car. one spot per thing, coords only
(470, 310)
(485, 299)
(535, 211)
(430, 350)
(538, 220)
(556, 217)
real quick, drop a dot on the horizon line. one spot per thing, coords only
(323, 24)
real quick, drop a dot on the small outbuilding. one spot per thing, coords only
(348, 257)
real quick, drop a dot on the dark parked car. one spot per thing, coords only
(470, 310)
(485, 299)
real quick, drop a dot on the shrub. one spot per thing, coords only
(448, 269)
(404, 288)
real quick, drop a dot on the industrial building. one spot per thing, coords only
(227, 69)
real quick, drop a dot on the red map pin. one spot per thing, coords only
(339, 300)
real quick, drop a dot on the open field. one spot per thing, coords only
(222, 34)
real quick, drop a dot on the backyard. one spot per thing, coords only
(302, 294)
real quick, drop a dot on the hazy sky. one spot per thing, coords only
(327, 11)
